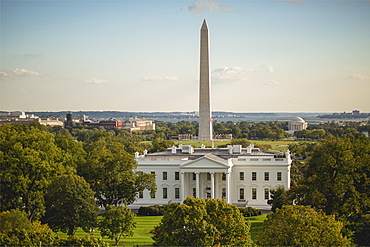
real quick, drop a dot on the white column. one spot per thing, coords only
(212, 185)
(197, 194)
(182, 186)
(228, 187)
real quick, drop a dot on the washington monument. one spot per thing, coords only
(205, 115)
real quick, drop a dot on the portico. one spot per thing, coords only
(208, 176)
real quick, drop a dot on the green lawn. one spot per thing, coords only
(144, 224)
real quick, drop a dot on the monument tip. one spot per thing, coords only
(204, 26)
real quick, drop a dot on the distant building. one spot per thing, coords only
(241, 176)
(22, 117)
(138, 125)
(297, 124)
(69, 120)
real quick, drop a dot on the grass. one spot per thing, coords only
(256, 225)
(144, 224)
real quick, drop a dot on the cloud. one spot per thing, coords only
(272, 82)
(356, 76)
(95, 81)
(25, 72)
(270, 69)
(6, 75)
(231, 74)
(160, 78)
(209, 6)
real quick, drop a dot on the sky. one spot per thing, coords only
(143, 56)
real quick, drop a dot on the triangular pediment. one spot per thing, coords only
(208, 161)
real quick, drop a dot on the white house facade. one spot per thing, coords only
(241, 176)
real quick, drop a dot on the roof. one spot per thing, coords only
(212, 153)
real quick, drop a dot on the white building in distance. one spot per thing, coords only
(241, 176)
(297, 124)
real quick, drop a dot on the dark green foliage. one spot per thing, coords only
(110, 171)
(30, 159)
(118, 222)
(70, 204)
(301, 226)
(249, 211)
(202, 223)
(85, 241)
(17, 230)
(156, 210)
(279, 198)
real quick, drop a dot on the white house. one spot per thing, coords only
(241, 176)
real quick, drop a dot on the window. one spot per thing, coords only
(267, 193)
(223, 176)
(164, 175)
(254, 193)
(267, 176)
(141, 194)
(241, 176)
(164, 193)
(194, 176)
(278, 176)
(177, 193)
(223, 193)
(241, 193)
(152, 173)
(254, 176)
(194, 192)
(177, 176)
(208, 176)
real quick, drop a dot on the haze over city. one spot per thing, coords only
(266, 56)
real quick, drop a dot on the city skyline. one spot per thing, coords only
(268, 56)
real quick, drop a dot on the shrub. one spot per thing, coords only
(249, 211)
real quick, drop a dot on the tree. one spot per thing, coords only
(70, 204)
(337, 179)
(17, 230)
(279, 198)
(301, 226)
(110, 171)
(185, 225)
(29, 160)
(118, 222)
(202, 223)
(231, 228)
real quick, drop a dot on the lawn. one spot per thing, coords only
(144, 224)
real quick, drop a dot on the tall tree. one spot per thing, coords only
(118, 222)
(301, 226)
(337, 179)
(203, 223)
(70, 204)
(110, 171)
(29, 160)
(17, 230)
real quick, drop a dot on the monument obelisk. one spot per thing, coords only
(205, 115)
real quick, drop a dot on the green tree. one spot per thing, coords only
(185, 225)
(110, 171)
(202, 223)
(279, 198)
(337, 179)
(301, 226)
(17, 230)
(118, 222)
(231, 228)
(70, 204)
(29, 160)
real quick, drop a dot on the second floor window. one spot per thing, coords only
(177, 175)
(254, 176)
(241, 176)
(267, 176)
(164, 175)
